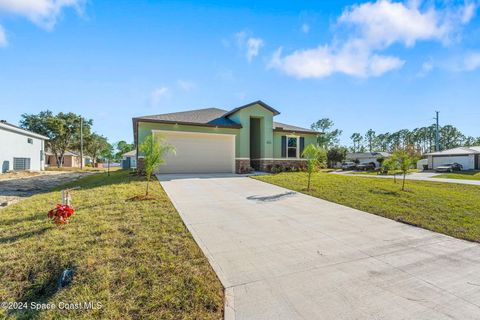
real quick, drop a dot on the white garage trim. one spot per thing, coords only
(189, 138)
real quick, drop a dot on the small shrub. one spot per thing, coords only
(277, 169)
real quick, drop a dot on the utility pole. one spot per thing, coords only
(81, 143)
(437, 133)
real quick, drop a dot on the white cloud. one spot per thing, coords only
(41, 12)
(471, 61)
(324, 61)
(468, 12)
(3, 37)
(186, 85)
(250, 44)
(158, 95)
(365, 30)
(426, 68)
(383, 23)
(253, 47)
(305, 28)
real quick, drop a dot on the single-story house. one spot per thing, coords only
(71, 159)
(216, 140)
(367, 157)
(20, 149)
(468, 157)
(129, 159)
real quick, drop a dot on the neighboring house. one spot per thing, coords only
(71, 159)
(129, 159)
(20, 149)
(468, 157)
(367, 157)
(422, 164)
(216, 140)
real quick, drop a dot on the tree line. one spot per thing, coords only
(422, 139)
(419, 140)
(64, 130)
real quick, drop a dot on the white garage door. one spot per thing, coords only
(199, 152)
(465, 161)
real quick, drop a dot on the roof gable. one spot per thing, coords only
(259, 102)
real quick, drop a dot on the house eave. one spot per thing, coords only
(296, 131)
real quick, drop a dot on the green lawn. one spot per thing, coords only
(449, 208)
(465, 175)
(136, 258)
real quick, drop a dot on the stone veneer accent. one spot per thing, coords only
(242, 165)
(267, 165)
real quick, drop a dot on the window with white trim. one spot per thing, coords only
(292, 147)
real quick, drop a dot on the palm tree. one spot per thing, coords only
(154, 152)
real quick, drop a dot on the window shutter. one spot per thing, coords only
(284, 146)
(302, 146)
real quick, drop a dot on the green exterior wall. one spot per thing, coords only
(270, 141)
(266, 130)
(277, 141)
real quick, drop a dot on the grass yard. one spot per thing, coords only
(135, 258)
(449, 208)
(464, 175)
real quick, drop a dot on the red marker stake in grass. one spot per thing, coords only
(62, 211)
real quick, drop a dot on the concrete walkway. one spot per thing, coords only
(284, 255)
(419, 176)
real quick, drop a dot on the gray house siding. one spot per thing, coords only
(20, 150)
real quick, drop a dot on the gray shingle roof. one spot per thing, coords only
(200, 116)
(286, 127)
(211, 117)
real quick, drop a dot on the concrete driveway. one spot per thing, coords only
(284, 255)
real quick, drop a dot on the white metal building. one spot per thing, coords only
(20, 149)
(468, 157)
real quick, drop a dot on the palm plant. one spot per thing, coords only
(154, 151)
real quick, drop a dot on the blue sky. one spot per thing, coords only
(383, 65)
